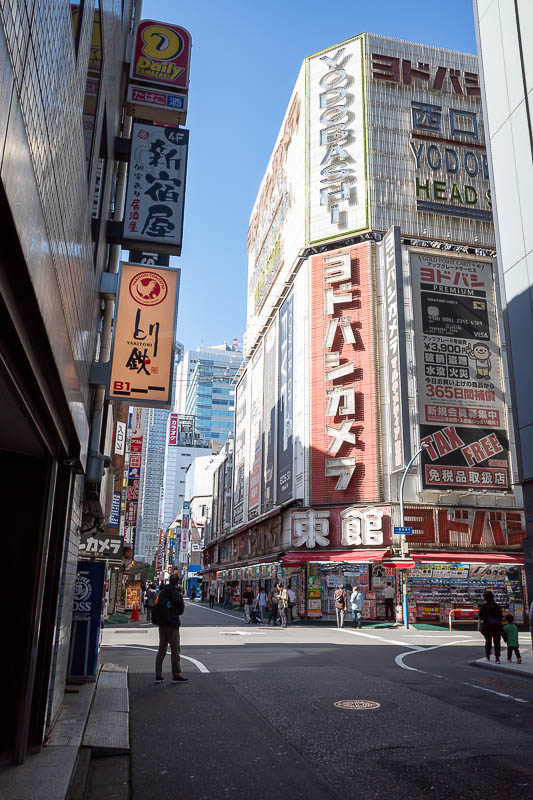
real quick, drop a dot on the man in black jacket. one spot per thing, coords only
(169, 633)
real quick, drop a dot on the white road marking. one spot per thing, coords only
(216, 611)
(242, 633)
(381, 639)
(201, 667)
(399, 659)
(500, 694)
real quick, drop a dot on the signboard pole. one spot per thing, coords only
(404, 540)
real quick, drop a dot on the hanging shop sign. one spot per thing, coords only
(336, 176)
(157, 105)
(101, 545)
(393, 331)
(161, 55)
(285, 402)
(256, 426)
(173, 429)
(343, 429)
(465, 528)
(240, 459)
(459, 375)
(152, 259)
(143, 342)
(155, 193)
(120, 438)
(115, 511)
(269, 418)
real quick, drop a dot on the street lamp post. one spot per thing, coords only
(404, 540)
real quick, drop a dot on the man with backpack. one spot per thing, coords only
(166, 615)
(150, 598)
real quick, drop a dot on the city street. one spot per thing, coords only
(259, 718)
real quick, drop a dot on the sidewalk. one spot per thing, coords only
(525, 669)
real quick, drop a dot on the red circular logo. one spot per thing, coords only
(148, 288)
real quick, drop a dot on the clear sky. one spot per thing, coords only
(245, 58)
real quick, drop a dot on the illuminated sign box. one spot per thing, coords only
(143, 343)
(157, 105)
(162, 54)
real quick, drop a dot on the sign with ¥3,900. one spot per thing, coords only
(143, 343)
(402, 530)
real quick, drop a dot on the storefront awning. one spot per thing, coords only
(328, 557)
(470, 558)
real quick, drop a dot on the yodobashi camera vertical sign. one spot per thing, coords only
(336, 176)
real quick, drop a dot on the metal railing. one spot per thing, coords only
(458, 609)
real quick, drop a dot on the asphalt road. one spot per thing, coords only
(258, 717)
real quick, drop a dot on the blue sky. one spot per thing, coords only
(245, 58)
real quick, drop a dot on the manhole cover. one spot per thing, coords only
(357, 705)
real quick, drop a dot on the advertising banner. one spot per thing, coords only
(162, 54)
(395, 355)
(240, 451)
(115, 510)
(343, 394)
(426, 142)
(336, 159)
(459, 378)
(256, 413)
(143, 341)
(101, 545)
(173, 429)
(285, 407)
(155, 193)
(120, 438)
(269, 418)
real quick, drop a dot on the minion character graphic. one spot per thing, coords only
(481, 355)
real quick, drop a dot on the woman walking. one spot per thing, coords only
(490, 625)
(273, 603)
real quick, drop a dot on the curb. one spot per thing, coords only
(493, 667)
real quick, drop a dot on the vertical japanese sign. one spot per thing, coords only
(395, 356)
(120, 438)
(460, 392)
(343, 427)
(240, 451)
(256, 414)
(285, 409)
(155, 193)
(162, 54)
(143, 343)
(173, 429)
(115, 511)
(269, 418)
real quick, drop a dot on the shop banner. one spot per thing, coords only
(162, 54)
(459, 373)
(115, 510)
(343, 392)
(256, 426)
(155, 193)
(269, 419)
(240, 451)
(285, 408)
(396, 372)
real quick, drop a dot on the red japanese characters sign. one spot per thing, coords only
(344, 450)
(162, 54)
(141, 364)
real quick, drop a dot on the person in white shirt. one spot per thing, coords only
(357, 599)
(261, 601)
(292, 601)
(388, 594)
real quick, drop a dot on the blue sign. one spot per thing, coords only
(134, 473)
(176, 101)
(115, 510)
(87, 618)
(403, 531)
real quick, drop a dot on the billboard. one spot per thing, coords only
(336, 159)
(143, 341)
(427, 156)
(459, 376)
(285, 406)
(269, 418)
(343, 393)
(161, 55)
(256, 429)
(389, 253)
(155, 192)
(239, 479)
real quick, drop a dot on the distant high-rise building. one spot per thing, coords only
(205, 389)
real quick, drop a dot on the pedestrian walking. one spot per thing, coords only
(388, 594)
(510, 635)
(273, 601)
(170, 607)
(283, 604)
(151, 595)
(490, 625)
(357, 599)
(261, 601)
(248, 598)
(339, 598)
(212, 593)
(292, 603)
(227, 596)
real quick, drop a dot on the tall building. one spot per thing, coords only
(373, 341)
(206, 389)
(505, 44)
(62, 106)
